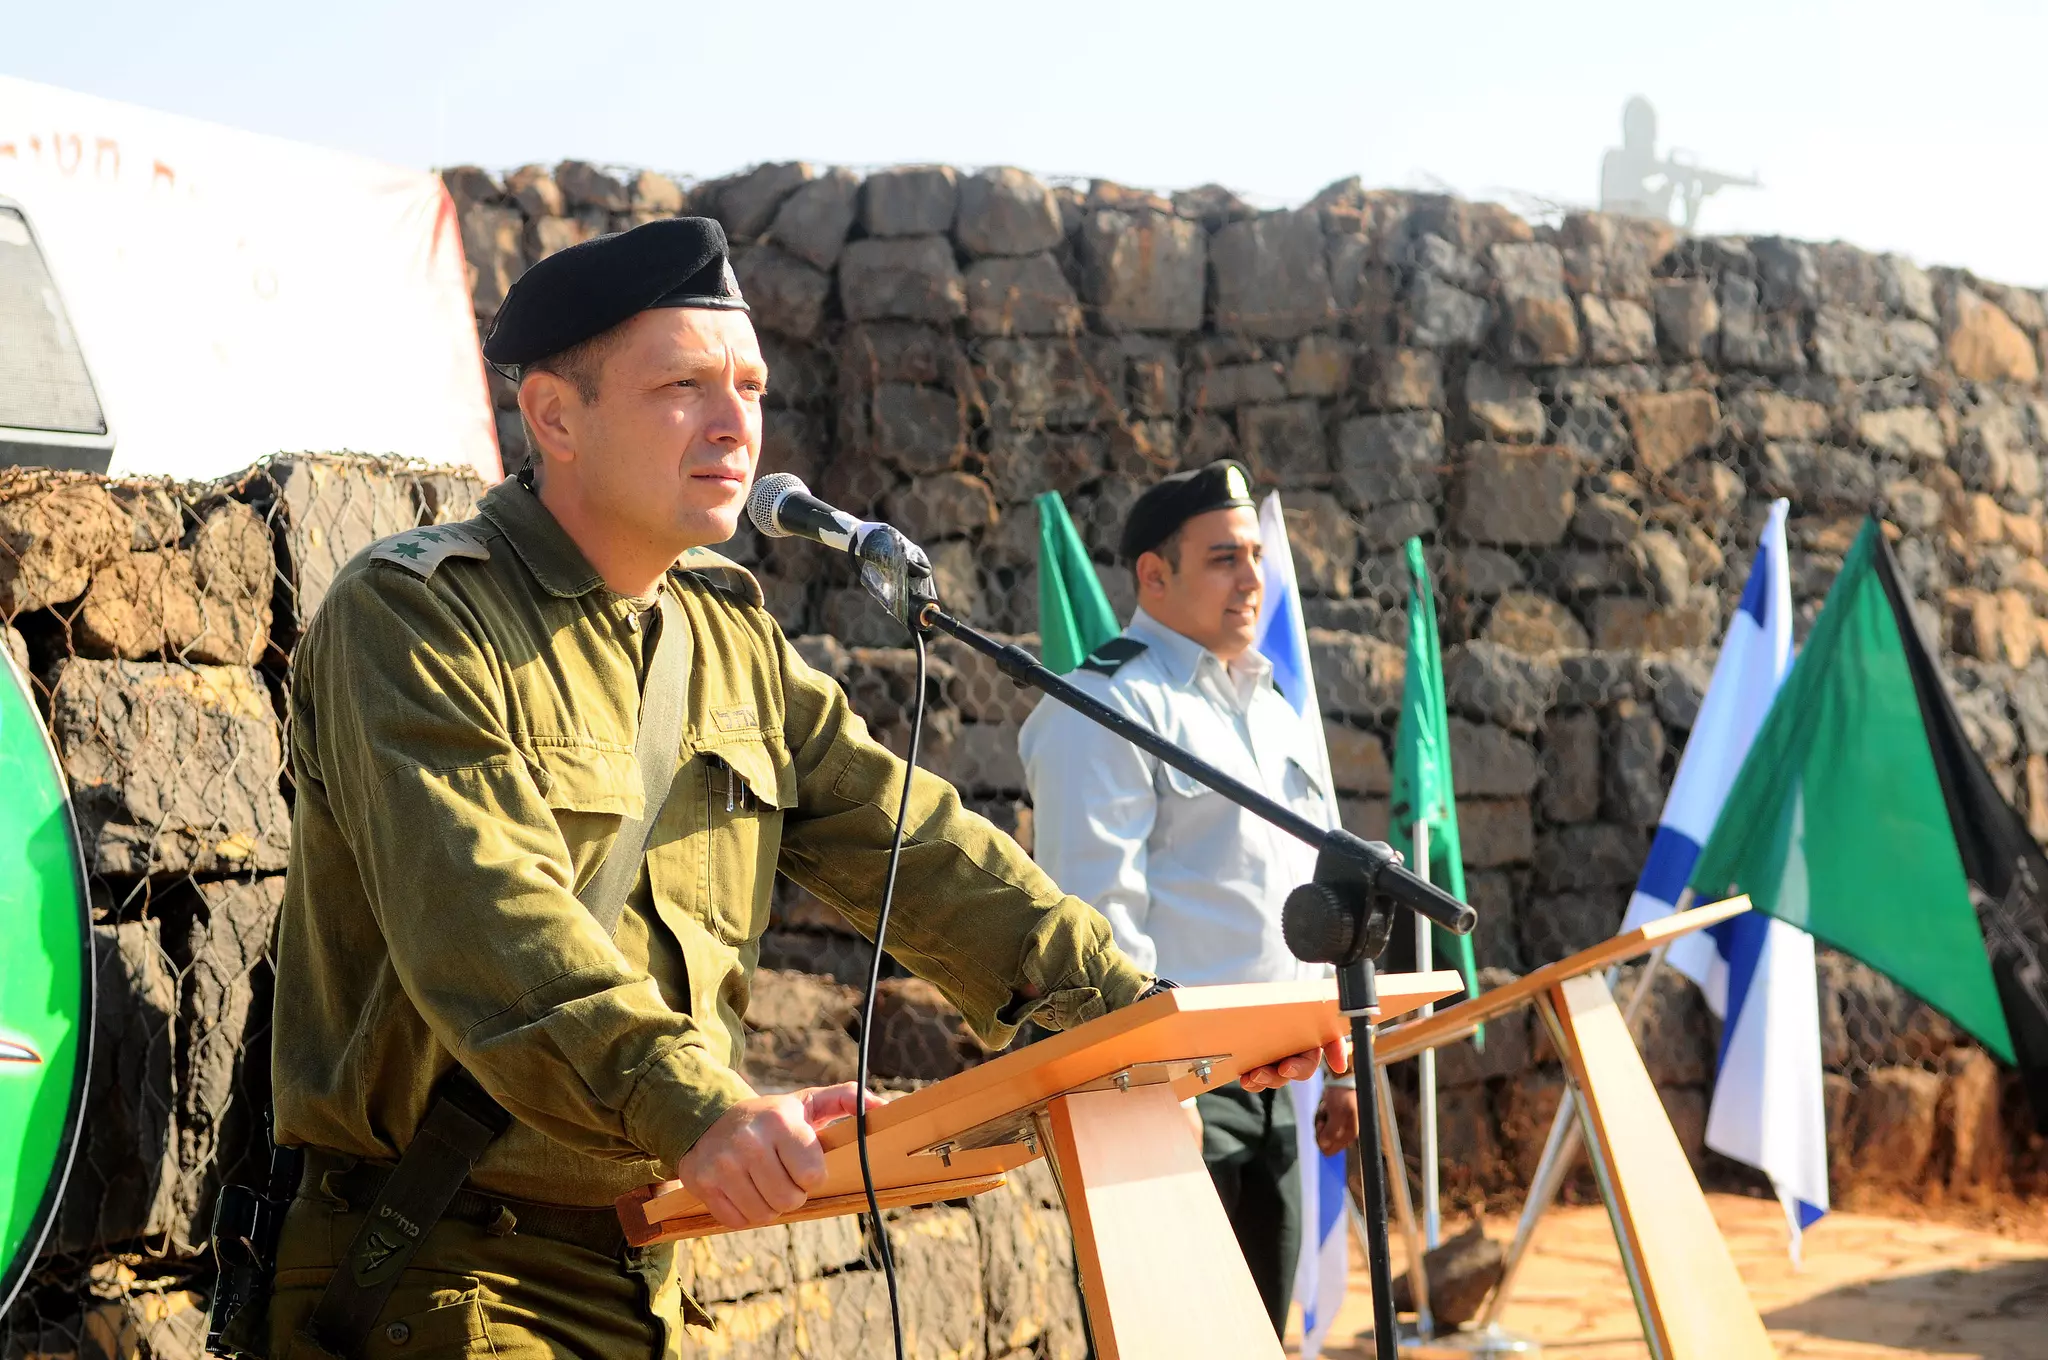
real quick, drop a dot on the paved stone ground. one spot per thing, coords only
(1871, 1287)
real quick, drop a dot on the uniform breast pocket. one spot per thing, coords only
(590, 788)
(1304, 789)
(748, 785)
(1179, 784)
(1224, 749)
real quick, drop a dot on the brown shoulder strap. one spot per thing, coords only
(656, 745)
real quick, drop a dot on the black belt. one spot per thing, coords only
(358, 1183)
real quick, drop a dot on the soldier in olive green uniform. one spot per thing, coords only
(465, 711)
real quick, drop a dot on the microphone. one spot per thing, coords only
(781, 506)
(894, 570)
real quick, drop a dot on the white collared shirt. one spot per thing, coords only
(1191, 884)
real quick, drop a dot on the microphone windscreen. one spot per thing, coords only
(768, 495)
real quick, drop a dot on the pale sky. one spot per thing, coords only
(1915, 128)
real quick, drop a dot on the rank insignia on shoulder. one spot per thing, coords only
(1110, 657)
(422, 550)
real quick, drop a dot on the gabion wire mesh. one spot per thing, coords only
(155, 621)
(1583, 422)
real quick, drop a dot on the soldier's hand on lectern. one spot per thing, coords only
(1300, 1067)
(761, 1159)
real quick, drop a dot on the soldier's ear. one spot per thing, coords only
(543, 407)
(1152, 571)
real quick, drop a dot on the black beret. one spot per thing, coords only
(1175, 500)
(594, 285)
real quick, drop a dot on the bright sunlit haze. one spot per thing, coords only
(1890, 126)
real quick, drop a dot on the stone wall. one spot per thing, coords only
(1585, 423)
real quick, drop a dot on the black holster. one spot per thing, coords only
(246, 1224)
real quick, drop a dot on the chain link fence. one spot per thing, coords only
(1584, 423)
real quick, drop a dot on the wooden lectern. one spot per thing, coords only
(1692, 1303)
(1160, 1269)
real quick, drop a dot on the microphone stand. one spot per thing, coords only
(1343, 916)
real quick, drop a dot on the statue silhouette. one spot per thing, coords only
(1627, 172)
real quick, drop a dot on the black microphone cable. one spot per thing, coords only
(867, 1012)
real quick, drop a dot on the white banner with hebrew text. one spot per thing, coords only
(237, 295)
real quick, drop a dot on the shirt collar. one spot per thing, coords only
(1181, 655)
(541, 542)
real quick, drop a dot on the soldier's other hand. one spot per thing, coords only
(761, 1159)
(1299, 1067)
(1337, 1120)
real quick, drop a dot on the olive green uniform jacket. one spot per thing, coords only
(462, 727)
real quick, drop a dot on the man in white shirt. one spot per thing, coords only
(1191, 884)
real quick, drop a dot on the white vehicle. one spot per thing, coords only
(181, 299)
(50, 413)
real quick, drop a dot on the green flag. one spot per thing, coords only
(1863, 817)
(1422, 763)
(1074, 617)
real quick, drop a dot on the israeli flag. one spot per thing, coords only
(1757, 974)
(1323, 1269)
(1282, 633)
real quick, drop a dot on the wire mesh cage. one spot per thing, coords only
(155, 622)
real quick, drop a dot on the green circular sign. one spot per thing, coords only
(46, 982)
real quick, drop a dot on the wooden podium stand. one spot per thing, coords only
(1693, 1304)
(1160, 1269)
